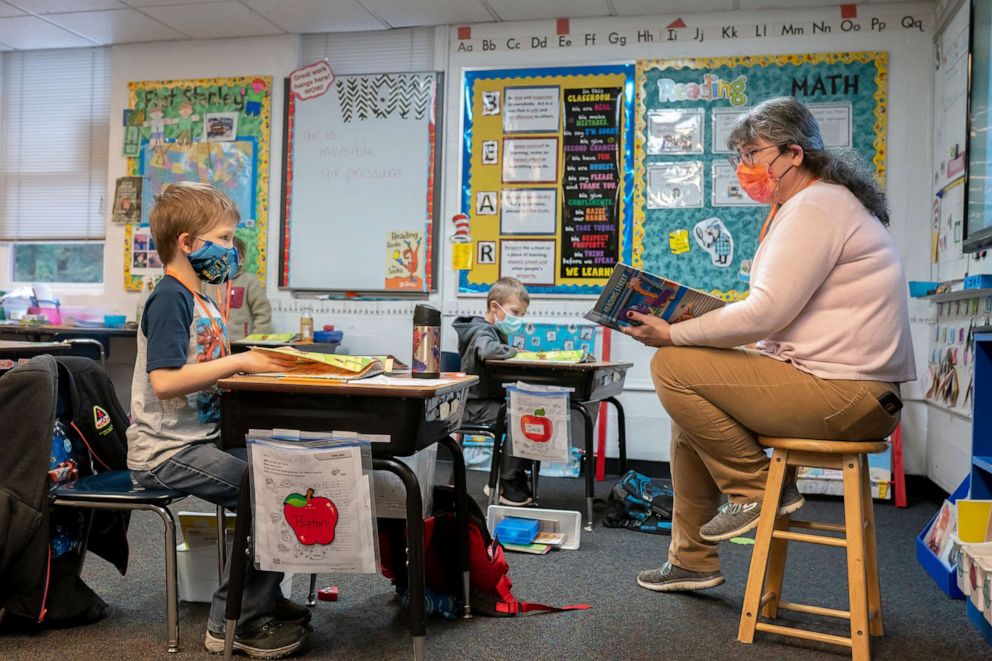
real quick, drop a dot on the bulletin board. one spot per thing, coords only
(214, 131)
(692, 221)
(360, 198)
(547, 176)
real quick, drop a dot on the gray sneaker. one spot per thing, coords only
(669, 578)
(736, 519)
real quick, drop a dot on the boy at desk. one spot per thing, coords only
(483, 338)
(183, 349)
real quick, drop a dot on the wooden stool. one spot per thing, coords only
(764, 582)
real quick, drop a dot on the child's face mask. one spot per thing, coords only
(508, 324)
(214, 264)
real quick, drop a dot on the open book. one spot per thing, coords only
(315, 365)
(632, 289)
(571, 356)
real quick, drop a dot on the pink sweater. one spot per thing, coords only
(828, 294)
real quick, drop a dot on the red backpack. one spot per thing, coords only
(489, 580)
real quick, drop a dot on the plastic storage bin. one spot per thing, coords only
(514, 530)
(197, 573)
(554, 521)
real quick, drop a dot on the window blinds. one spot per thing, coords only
(384, 51)
(54, 109)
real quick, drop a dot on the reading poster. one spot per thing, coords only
(547, 176)
(692, 221)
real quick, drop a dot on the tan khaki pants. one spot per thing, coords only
(719, 400)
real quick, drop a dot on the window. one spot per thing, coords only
(53, 163)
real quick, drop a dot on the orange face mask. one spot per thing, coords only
(757, 180)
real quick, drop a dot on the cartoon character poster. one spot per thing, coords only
(405, 260)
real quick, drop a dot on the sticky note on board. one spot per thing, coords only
(678, 241)
(461, 256)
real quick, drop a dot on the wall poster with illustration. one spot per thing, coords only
(692, 222)
(214, 131)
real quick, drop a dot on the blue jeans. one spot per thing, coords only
(207, 472)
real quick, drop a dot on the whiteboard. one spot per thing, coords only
(360, 194)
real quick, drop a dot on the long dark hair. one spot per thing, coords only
(784, 121)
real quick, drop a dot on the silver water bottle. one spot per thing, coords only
(426, 342)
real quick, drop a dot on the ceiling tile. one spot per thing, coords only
(8, 10)
(121, 26)
(302, 16)
(28, 32)
(150, 3)
(528, 10)
(213, 20)
(409, 13)
(667, 7)
(65, 6)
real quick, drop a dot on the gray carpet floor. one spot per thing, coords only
(625, 622)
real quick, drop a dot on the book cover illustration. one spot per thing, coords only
(630, 289)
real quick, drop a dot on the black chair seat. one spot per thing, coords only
(114, 486)
(475, 428)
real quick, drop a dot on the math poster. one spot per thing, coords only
(692, 222)
(213, 131)
(546, 176)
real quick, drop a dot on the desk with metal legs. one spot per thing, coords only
(407, 415)
(591, 383)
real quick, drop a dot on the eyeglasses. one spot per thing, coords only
(747, 157)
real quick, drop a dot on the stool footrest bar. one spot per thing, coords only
(809, 539)
(817, 525)
(814, 610)
(804, 634)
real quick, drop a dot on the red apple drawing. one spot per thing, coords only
(312, 519)
(536, 427)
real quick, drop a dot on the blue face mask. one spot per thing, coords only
(508, 324)
(214, 264)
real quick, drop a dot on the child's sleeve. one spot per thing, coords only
(488, 347)
(166, 321)
(261, 309)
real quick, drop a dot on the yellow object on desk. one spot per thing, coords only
(270, 337)
(572, 356)
(313, 365)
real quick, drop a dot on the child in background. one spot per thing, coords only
(250, 308)
(482, 338)
(183, 349)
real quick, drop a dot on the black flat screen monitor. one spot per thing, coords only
(978, 218)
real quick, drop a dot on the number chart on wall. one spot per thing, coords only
(546, 176)
(692, 221)
(214, 131)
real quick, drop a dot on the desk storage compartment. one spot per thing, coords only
(564, 521)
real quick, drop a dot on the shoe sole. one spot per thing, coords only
(216, 646)
(683, 586)
(751, 525)
(503, 500)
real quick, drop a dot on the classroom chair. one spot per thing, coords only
(113, 490)
(763, 596)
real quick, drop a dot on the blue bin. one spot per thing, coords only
(516, 530)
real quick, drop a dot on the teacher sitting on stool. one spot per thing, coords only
(828, 312)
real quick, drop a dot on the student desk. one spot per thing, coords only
(12, 352)
(240, 346)
(591, 382)
(406, 414)
(81, 334)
